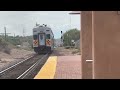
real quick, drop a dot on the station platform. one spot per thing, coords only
(61, 67)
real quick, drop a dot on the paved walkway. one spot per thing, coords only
(61, 67)
(68, 67)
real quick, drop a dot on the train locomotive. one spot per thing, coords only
(43, 39)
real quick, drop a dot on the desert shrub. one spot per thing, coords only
(4, 46)
(76, 51)
(7, 50)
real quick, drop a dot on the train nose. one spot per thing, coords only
(42, 47)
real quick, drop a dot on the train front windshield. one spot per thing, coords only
(35, 37)
(48, 36)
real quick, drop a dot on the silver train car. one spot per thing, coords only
(43, 39)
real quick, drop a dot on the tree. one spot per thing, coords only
(72, 34)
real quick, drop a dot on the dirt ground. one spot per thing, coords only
(61, 51)
(15, 56)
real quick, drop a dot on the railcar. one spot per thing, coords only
(43, 39)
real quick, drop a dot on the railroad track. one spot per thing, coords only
(25, 68)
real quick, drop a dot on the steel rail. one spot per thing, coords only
(23, 75)
(16, 64)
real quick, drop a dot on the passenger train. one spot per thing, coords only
(43, 39)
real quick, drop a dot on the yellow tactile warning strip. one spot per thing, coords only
(48, 70)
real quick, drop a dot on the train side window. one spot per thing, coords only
(34, 36)
(47, 36)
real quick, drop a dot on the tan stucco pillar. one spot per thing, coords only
(86, 43)
(106, 44)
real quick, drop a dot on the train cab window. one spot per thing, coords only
(47, 36)
(34, 37)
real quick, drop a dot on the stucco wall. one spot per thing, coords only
(106, 44)
(86, 43)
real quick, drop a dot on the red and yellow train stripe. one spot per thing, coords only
(35, 42)
(48, 42)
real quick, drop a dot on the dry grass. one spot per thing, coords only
(70, 51)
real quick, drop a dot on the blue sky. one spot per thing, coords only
(15, 21)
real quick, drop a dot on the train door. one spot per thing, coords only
(42, 39)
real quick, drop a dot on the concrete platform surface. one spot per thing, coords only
(68, 67)
(61, 67)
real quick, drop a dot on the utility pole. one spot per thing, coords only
(70, 22)
(5, 33)
(23, 32)
(14, 37)
(24, 38)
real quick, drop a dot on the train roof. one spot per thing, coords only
(43, 26)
